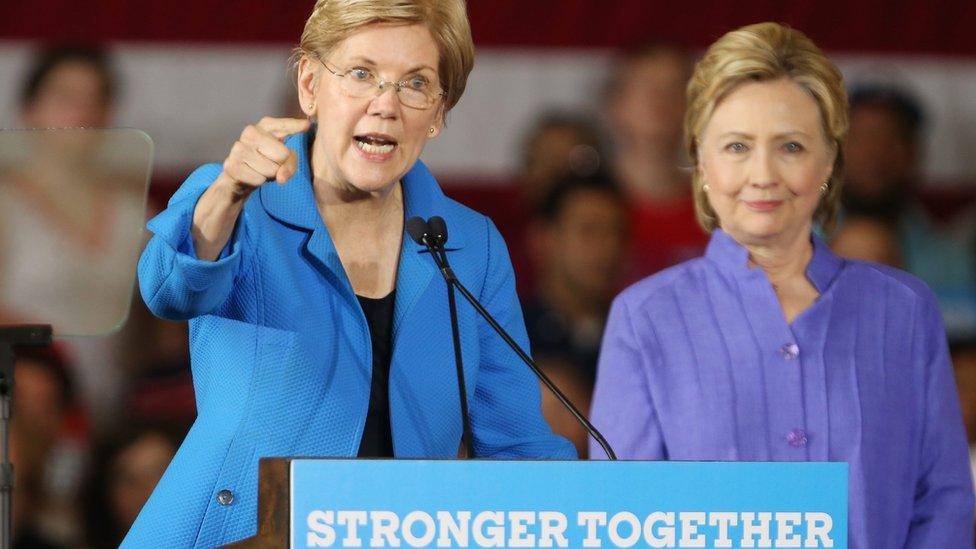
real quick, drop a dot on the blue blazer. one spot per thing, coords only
(281, 352)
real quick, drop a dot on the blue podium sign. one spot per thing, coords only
(579, 504)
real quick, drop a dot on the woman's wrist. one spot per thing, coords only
(214, 217)
(230, 191)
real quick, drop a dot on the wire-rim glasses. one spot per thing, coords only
(415, 92)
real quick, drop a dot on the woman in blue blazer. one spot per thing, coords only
(316, 328)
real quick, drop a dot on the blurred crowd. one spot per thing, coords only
(603, 199)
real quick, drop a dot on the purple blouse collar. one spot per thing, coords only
(733, 258)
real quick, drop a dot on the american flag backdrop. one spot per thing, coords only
(196, 71)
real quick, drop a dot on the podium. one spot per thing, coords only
(579, 504)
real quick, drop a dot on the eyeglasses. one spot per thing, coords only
(415, 92)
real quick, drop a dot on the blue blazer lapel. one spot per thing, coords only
(422, 197)
(293, 204)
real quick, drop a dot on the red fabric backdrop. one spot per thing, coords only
(890, 26)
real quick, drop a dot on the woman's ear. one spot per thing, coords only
(832, 160)
(438, 124)
(308, 79)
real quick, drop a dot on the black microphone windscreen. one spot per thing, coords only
(417, 228)
(438, 229)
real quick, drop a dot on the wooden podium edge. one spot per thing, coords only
(274, 520)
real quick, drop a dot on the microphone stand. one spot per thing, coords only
(10, 337)
(420, 231)
(439, 254)
(465, 419)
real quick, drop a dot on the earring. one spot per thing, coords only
(431, 130)
(311, 106)
(824, 187)
(705, 187)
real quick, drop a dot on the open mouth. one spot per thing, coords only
(375, 144)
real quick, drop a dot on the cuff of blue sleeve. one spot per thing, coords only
(187, 248)
(200, 274)
(173, 226)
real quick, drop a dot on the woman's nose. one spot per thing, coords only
(386, 102)
(762, 172)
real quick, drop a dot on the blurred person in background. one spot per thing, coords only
(645, 103)
(579, 238)
(27, 532)
(558, 144)
(883, 152)
(771, 347)
(577, 387)
(161, 385)
(883, 180)
(48, 450)
(69, 86)
(868, 238)
(125, 469)
(964, 360)
(67, 249)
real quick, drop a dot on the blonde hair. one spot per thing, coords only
(332, 21)
(757, 53)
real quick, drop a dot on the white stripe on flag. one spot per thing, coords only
(195, 99)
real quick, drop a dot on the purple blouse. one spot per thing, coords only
(699, 363)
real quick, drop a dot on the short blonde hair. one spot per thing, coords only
(332, 21)
(757, 53)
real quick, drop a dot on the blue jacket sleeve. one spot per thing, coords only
(506, 413)
(175, 284)
(943, 510)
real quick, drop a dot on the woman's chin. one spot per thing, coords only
(373, 181)
(757, 233)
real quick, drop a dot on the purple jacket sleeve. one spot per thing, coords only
(623, 408)
(943, 510)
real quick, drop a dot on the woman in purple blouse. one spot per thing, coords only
(770, 347)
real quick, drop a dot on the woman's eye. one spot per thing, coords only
(417, 83)
(736, 147)
(793, 147)
(360, 74)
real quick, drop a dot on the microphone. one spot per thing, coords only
(435, 238)
(423, 233)
(418, 230)
(438, 229)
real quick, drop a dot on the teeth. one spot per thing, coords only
(375, 149)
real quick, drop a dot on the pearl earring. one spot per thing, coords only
(311, 106)
(705, 187)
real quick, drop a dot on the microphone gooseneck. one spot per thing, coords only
(434, 239)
